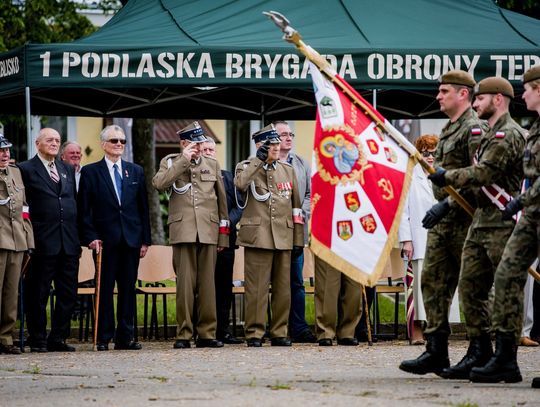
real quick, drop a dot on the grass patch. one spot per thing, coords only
(280, 386)
(161, 379)
(34, 369)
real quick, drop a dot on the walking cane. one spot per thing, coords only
(366, 311)
(26, 262)
(99, 252)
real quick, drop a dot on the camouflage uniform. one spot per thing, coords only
(498, 161)
(458, 142)
(522, 246)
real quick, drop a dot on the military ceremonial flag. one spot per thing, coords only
(360, 178)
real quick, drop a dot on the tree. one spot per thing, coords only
(530, 8)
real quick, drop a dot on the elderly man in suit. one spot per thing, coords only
(51, 196)
(198, 229)
(113, 216)
(271, 225)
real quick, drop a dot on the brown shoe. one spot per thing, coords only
(10, 349)
(526, 341)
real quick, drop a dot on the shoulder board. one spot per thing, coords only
(172, 156)
(500, 134)
(476, 131)
(209, 158)
(285, 163)
(12, 165)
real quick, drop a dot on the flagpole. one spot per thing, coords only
(294, 37)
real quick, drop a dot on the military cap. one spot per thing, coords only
(4, 142)
(457, 77)
(267, 133)
(193, 133)
(494, 85)
(532, 74)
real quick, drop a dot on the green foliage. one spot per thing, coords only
(530, 8)
(41, 21)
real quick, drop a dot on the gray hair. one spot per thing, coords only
(113, 127)
(68, 143)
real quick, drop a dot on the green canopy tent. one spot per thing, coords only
(223, 59)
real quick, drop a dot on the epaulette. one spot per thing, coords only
(172, 156)
(285, 163)
(12, 165)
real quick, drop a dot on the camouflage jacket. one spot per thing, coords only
(531, 169)
(498, 161)
(458, 142)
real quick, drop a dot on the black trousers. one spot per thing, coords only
(44, 270)
(119, 264)
(223, 279)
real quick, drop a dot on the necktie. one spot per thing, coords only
(118, 180)
(53, 172)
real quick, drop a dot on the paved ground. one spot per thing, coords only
(238, 376)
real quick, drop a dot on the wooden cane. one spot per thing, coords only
(99, 252)
(366, 311)
(25, 263)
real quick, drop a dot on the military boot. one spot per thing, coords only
(433, 360)
(502, 367)
(478, 354)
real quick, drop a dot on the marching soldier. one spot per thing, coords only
(497, 174)
(270, 226)
(198, 229)
(519, 253)
(15, 239)
(448, 223)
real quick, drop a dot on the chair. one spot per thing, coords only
(87, 271)
(391, 289)
(309, 270)
(154, 268)
(238, 284)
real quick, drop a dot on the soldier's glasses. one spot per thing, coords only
(283, 135)
(117, 140)
(428, 153)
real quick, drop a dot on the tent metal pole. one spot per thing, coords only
(375, 98)
(28, 123)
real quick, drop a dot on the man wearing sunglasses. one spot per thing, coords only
(113, 216)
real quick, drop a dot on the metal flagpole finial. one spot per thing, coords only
(291, 35)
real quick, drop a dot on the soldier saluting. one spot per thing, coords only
(270, 226)
(496, 175)
(198, 228)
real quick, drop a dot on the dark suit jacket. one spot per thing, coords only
(100, 214)
(53, 208)
(235, 213)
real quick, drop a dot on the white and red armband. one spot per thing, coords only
(224, 227)
(25, 212)
(298, 216)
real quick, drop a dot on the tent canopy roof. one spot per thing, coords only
(224, 59)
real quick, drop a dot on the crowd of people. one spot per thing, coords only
(50, 206)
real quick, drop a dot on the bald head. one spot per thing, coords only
(48, 143)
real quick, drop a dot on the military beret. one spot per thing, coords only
(4, 142)
(193, 133)
(457, 77)
(532, 74)
(494, 85)
(267, 133)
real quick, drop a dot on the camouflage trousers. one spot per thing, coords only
(441, 272)
(482, 253)
(520, 252)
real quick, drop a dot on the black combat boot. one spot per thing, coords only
(433, 360)
(478, 354)
(502, 367)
